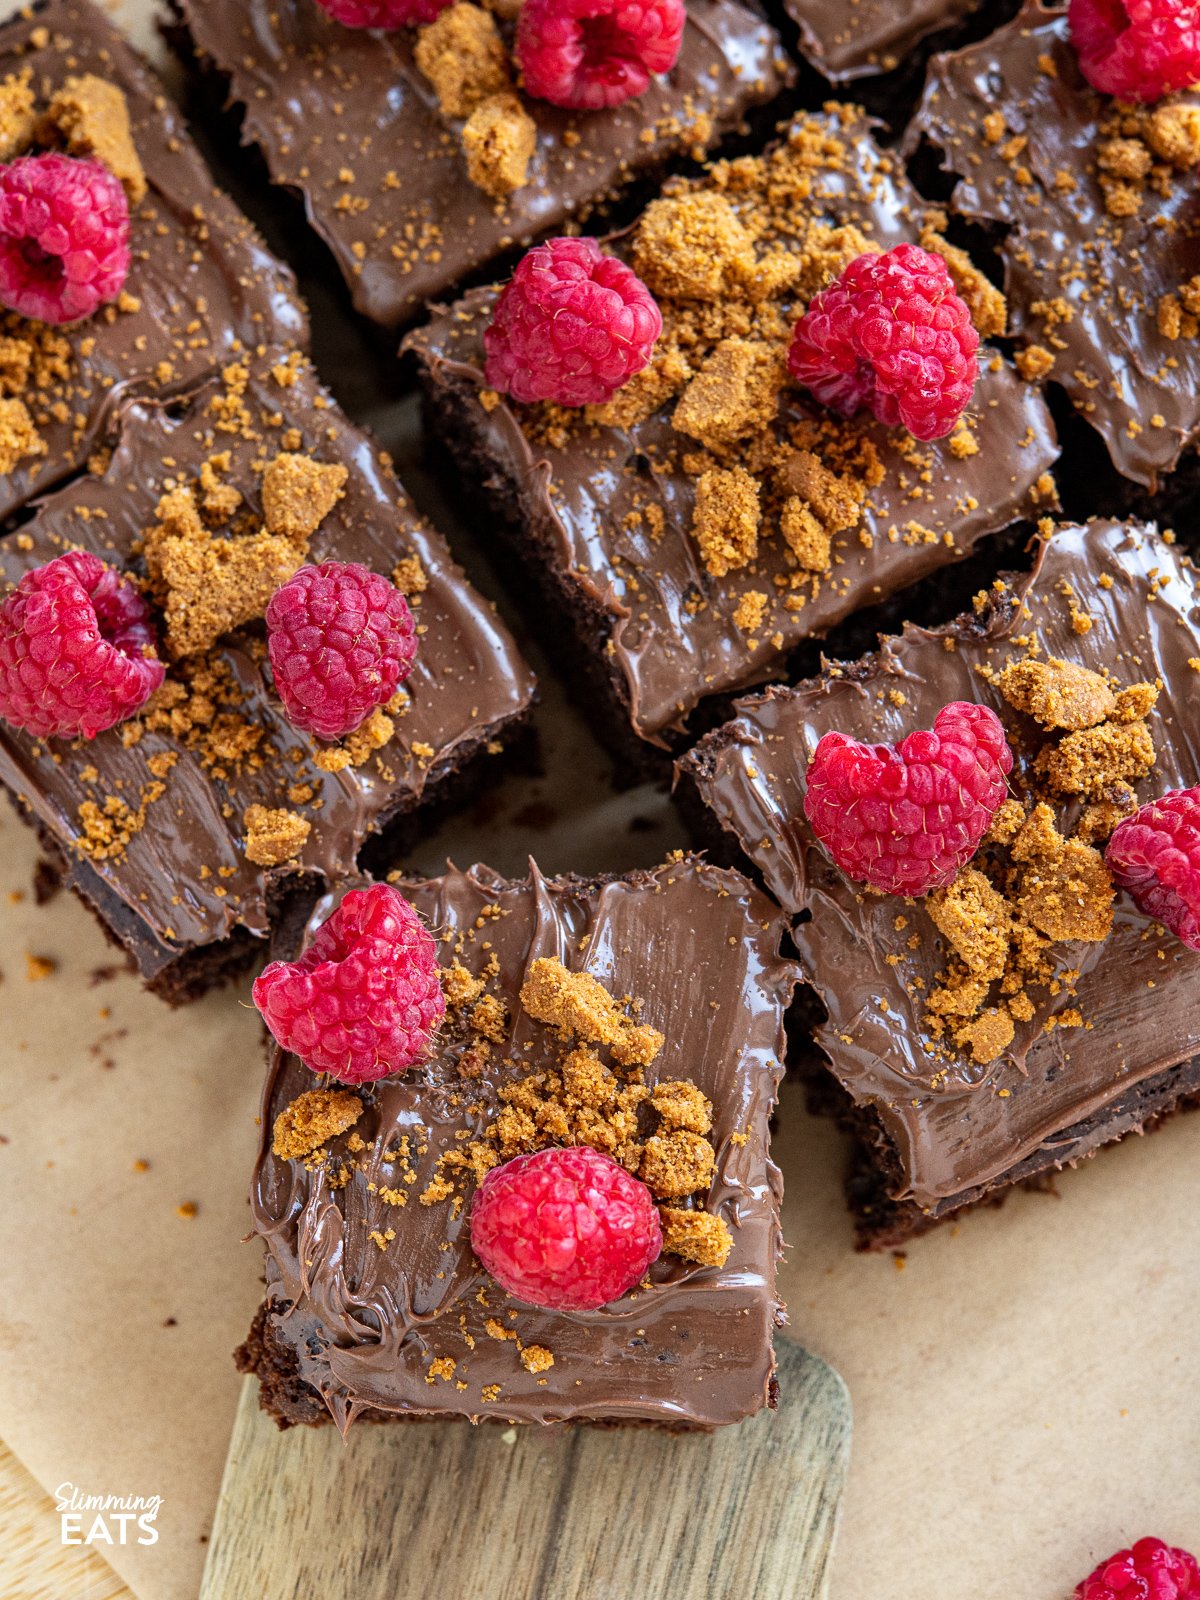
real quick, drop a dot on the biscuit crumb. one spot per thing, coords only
(695, 1236)
(91, 116)
(299, 493)
(676, 1163)
(311, 1119)
(17, 120)
(577, 1003)
(499, 139)
(462, 55)
(274, 836)
(1059, 694)
(726, 519)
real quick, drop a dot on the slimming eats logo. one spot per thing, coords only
(107, 1518)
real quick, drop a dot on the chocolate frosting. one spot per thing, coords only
(1139, 991)
(1140, 390)
(866, 37)
(321, 99)
(205, 284)
(185, 878)
(700, 946)
(576, 499)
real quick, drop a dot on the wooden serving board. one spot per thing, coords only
(492, 1513)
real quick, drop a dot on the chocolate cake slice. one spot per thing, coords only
(376, 1306)
(1094, 207)
(387, 156)
(962, 1071)
(870, 38)
(202, 289)
(187, 827)
(686, 537)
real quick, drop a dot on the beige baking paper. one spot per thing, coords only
(1025, 1383)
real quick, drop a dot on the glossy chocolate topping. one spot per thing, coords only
(204, 284)
(1138, 990)
(673, 636)
(184, 875)
(1100, 277)
(865, 37)
(700, 946)
(323, 100)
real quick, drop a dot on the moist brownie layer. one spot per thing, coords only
(345, 118)
(1098, 207)
(602, 506)
(1109, 1042)
(376, 1306)
(202, 287)
(151, 817)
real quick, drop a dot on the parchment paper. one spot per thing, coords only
(1024, 1383)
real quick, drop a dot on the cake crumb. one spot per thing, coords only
(311, 1119)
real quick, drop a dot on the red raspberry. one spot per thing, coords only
(571, 326)
(1152, 1570)
(1155, 855)
(383, 13)
(1137, 49)
(64, 237)
(364, 998)
(590, 54)
(891, 334)
(906, 818)
(342, 640)
(568, 1229)
(76, 649)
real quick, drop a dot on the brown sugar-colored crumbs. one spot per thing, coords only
(311, 1119)
(299, 493)
(91, 118)
(464, 58)
(695, 1236)
(274, 836)
(499, 140)
(577, 1003)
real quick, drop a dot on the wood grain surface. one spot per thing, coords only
(34, 1564)
(496, 1513)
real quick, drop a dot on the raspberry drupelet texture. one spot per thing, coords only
(1137, 49)
(1155, 856)
(1152, 1570)
(907, 818)
(64, 237)
(383, 13)
(892, 336)
(363, 1000)
(76, 649)
(571, 326)
(590, 54)
(341, 640)
(568, 1229)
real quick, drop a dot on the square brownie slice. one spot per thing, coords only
(187, 827)
(202, 288)
(1092, 204)
(383, 154)
(963, 1072)
(376, 1305)
(689, 535)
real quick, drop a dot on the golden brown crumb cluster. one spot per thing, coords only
(311, 1119)
(466, 61)
(660, 1132)
(1039, 881)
